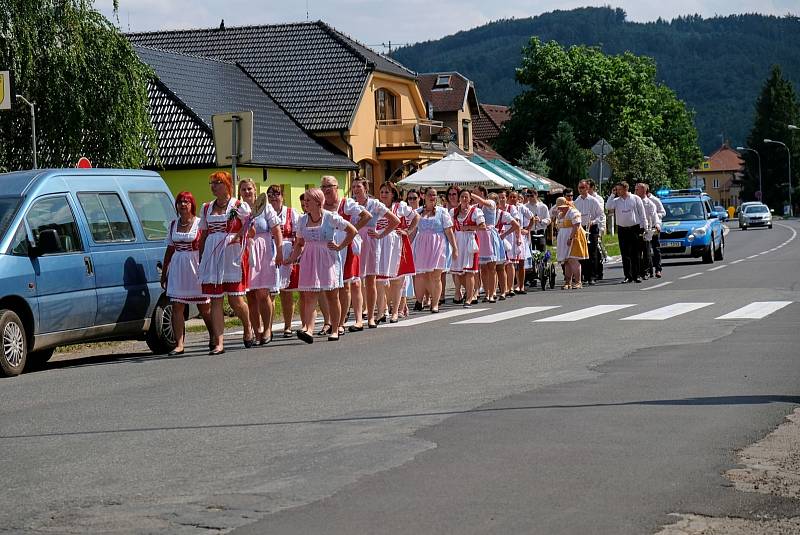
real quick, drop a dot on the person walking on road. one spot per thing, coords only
(358, 216)
(287, 219)
(433, 245)
(631, 223)
(224, 259)
(467, 219)
(591, 216)
(655, 242)
(571, 245)
(489, 248)
(541, 219)
(180, 275)
(646, 259)
(318, 252)
(265, 252)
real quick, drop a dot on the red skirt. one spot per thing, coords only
(230, 288)
(406, 257)
(351, 268)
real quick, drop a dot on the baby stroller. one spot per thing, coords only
(544, 269)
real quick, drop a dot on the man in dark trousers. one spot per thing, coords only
(631, 224)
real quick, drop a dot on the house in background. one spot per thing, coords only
(188, 90)
(721, 175)
(489, 122)
(335, 88)
(451, 99)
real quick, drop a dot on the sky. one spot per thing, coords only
(378, 22)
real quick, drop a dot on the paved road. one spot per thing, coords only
(498, 420)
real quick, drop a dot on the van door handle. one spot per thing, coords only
(88, 263)
(159, 266)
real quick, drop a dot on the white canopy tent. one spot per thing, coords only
(454, 169)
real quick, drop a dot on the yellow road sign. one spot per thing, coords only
(5, 91)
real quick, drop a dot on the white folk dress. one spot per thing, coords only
(371, 247)
(467, 260)
(183, 278)
(287, 219)
(223, 267)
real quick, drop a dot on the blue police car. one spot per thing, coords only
(690, 228)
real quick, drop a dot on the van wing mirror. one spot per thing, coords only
(48, 242)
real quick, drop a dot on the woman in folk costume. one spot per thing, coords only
(467, 218)
(287, 219)
(450, 203)
(489, 244)
(571, 246)
(223, 258)
(320, 267)
(265, 255)
(412, 199)
(433, 241)
(371, 244)
(396, 259)
(526, 223)
(181, 268)
(509, 230)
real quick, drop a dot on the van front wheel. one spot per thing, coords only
(161, 338)
(13, 344)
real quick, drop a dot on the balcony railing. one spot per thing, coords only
(413, 133)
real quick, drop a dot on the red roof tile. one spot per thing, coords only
(450, 97)
(722, 159)
(487, 127)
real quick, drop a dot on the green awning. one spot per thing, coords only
(516, 179)
(537, 184)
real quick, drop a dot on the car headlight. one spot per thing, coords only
(690, 237)
(699, 232)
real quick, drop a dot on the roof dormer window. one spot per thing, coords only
(442, 81)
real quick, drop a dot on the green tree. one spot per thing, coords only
(603, 96)
(640, 160)
(534, 159)
(777, 106)
(88, 85)
(568, 160)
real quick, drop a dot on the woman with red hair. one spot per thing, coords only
(223, 258)
(179, 276)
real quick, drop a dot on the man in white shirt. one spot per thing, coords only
(591, 216)
(598, 267)
(541, 219)
(655, 243)
(631, 223)
(646, 259)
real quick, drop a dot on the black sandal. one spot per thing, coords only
(326, 330)
(304, 336)
(355, 329)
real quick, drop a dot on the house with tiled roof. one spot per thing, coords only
(184, 94)
(450, 98)
(337, 89)
(488, 124)
(721, 175)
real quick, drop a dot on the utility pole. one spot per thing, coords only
(32, 105)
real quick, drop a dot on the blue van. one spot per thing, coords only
(81, 254)
(690, 228)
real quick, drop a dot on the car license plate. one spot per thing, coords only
(671, 244)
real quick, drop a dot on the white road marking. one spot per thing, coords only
(689, 276)
(718, 267)
(668, 311)
(737, 261)
(755, 311)
(435, 317)
(500, 316)
(656, 286)
(585, 313)
(752, 256)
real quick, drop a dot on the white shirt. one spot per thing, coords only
(650, 212)
(602, 202)
(591, 210)
(525, 214)
(660, 212)
(539, 209)
(629, 210)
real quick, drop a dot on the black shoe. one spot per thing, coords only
(215, 352)
(354, 329)
(333, 338)
(473, 302)
(304, 336)
(382, 319)
(510, 294)
(326, 330)
(625, 281)
(501, 297)
(637, 280)
(523, 292)
(418, 307)
(394, 320)
(174, 353)
(434, 311)
(590, 283)
(372, 325)
(249, 343)
(467, 305)
(458, 301)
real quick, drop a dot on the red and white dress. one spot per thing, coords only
(513, 242)
(264, 272)
(224, 264)
(287, 219)
(503, 220)
(183, 280)
(467, 260)
(396, 257)
(349, 210)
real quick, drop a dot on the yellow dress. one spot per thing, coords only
(580, 247)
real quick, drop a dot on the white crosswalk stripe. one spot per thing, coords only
(669, 311)
(755, 311)
(585, 313)
(509, 314)
(435, 317)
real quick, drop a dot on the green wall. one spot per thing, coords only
(294, 181)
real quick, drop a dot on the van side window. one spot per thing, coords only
(155, 211)
(19, 246)
(55, 213)
(107, 219)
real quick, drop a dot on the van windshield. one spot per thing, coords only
(684, 211)
(8, 207)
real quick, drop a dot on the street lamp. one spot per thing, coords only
(793, 127)
(760, 191)
(33, 125)
(789, 154)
